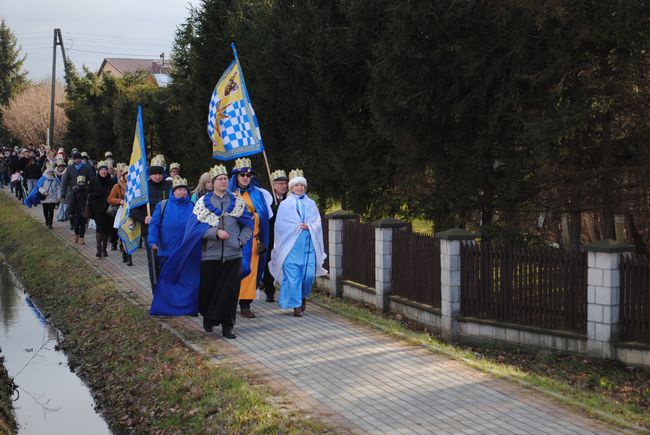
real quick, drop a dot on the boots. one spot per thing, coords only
(76, 238)
(82, 241)
(124, 255)
(104, 244)
(98, 240)
(128, 260)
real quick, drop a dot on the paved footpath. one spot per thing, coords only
(357, 379)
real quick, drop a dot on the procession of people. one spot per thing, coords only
(211, 247)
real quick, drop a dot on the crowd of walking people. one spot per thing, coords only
(210, 247)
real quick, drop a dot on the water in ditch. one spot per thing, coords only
(51, 398)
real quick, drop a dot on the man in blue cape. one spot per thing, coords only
(203, 273)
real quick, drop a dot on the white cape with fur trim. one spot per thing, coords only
(287, 229)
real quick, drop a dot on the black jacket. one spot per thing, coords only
(32, 171)
(69, 179)
(157, 192)
(78, 198)
(98, 190)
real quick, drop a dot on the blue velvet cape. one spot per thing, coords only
(177, 291)
(262, 209)
(33, 198)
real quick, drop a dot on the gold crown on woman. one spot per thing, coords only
(102, 163)
(243, 163)
(296, 173)
(60, 161)
(179, 182)
(49, 166)
(158, 160)
(122, 167)
(217, 170)
(175, 165)
(279, 173)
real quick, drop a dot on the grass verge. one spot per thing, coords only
(143, 378)
(608, 390)
(7, 416)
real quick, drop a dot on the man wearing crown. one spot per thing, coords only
(203, 273)
(258, 201)
(174, 171)
(280, 181)
(159, 189)
(75, 169)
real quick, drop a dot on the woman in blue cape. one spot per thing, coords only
(46, 191)
(298, 254)
(203, 273)
(258, 201)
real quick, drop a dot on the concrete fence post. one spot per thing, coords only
(335, 223)
(450, 244)
(603, 296)
(384, 258)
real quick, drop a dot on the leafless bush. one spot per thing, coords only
(27, 116)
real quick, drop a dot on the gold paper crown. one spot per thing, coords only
(280, 173)
(102, 163)
(122, 167)
(49, 166)
(179, 182)
(242, 164)
(60, 161)
(296, 173)
(158, 160)
(84, 154)
(108, 153)
(175, 165)
(217, 170)
(81, 179)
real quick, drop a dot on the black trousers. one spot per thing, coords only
(80, 226)
(219, 291)
(48, 213)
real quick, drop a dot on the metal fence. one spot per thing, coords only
(416, 267)
(634, 318)
(326, 237)
(539, 287)
(359, 253)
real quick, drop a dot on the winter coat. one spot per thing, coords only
(32, 171)
(157, 192)
(98, 190)
(214, 248)
(78, 198)
(167, 224)
(69, 179)
(117, 193)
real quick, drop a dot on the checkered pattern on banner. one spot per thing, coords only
(212, 114)
(236, 129)
(135, 180)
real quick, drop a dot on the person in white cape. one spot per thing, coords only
(298, 253)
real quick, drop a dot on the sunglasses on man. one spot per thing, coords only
(245, 174)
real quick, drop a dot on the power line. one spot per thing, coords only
(154, 56)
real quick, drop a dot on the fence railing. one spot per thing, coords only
(326, 245)
(538, 287)
(416, 267)
(634, 317)
(359, 253)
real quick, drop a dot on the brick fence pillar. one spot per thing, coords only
(335, 255)
(450, 243)
(383, 258)
(603, 296)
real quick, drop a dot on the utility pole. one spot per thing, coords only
(58, 40)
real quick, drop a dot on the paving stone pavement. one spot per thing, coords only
(357, 379)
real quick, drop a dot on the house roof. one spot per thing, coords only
(127, 66)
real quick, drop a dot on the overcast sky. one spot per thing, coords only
(92, 30)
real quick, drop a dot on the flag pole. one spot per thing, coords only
(266, 161)
(268, 172)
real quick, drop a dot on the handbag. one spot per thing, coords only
(42, 193)
(86, 213)
(112, 210)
